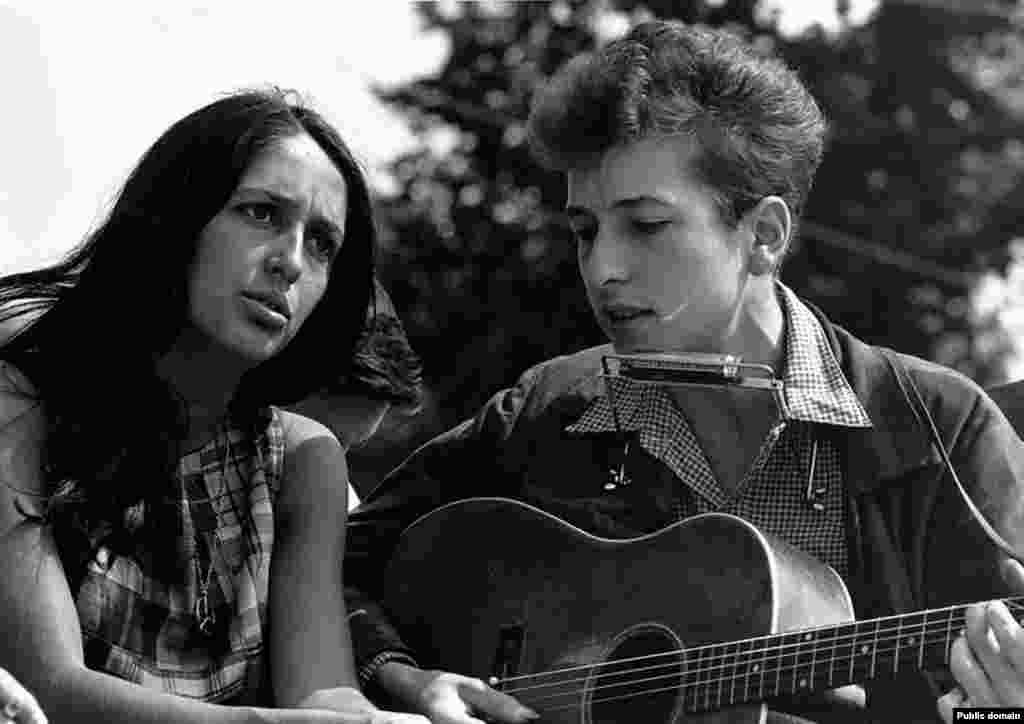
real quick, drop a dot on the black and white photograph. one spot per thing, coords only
(495, 361)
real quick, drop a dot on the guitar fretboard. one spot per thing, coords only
(739, 672)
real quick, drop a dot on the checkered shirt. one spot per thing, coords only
(139, 627)
(773, 493)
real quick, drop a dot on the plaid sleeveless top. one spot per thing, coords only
(141, 628)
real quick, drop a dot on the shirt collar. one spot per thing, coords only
(813, 382)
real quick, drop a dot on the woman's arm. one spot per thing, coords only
(40, 639)
(309, 639)
(310, 648)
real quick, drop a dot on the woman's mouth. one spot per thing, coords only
(264, 314)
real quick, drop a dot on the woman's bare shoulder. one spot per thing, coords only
(19, 397)
(22, 432)
(315, 473)
(299, 429)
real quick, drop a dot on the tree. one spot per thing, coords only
(925, 109)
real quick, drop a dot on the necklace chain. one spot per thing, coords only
(205, 616)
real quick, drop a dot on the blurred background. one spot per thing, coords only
(913, 236)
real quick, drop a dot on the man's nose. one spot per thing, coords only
(607, 259)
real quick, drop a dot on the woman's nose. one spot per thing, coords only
(285, 259)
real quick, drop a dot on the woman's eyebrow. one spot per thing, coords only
(291, 204)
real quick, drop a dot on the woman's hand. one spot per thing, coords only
(17, 705)
(347, 700)
(450, 698)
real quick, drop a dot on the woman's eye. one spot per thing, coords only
(261, 212)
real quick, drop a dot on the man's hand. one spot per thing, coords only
(449, 698)
(987, 660)
(349, 701)
(17, 705)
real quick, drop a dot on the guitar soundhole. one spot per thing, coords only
(639, 681)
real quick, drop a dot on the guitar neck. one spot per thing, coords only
(755, 669)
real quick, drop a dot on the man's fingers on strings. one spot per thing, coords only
(16, 703)
(996, 641)
(1013, 575)
(1009, 637)
(448, 699)
(953, 699)
(494, 704)
(965, 661)
(390, 717)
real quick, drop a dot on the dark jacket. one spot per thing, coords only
(1010, 398)
(912, 542)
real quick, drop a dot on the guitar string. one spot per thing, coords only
(1016, 603)
(852, 655)
(710, 663)
(695, 707)
(704, 685)
(706, 666)
(621, 697)
(708, 695)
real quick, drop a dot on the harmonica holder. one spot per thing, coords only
(693, 369)
(684, 370)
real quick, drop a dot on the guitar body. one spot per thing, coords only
(490, 587)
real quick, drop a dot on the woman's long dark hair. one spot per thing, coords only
(100, 319)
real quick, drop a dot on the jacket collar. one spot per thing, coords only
(896, 443)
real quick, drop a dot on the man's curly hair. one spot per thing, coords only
(384, 366)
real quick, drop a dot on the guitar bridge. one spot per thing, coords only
(509, 653)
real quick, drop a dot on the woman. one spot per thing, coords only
(171, 540)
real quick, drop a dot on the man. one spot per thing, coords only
(386, 374)
(1010, 398)
(17, 705)
(688, 159)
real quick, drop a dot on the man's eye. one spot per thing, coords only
(642, 226)
(584, 233)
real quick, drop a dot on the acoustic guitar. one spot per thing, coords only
(702, 621)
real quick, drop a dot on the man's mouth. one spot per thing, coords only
(621, 314)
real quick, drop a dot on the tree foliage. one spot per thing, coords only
(921, 187)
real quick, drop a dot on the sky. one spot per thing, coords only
(90, 85)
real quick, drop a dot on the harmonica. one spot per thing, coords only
(690, 369)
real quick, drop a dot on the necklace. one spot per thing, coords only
(204, 614)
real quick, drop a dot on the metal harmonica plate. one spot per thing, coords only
(694, 368)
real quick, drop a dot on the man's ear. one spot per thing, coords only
(771, 225)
